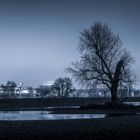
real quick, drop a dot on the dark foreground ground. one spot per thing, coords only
(116, 128)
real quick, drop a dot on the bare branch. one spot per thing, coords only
(103, 60)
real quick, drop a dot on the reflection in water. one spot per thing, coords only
(63, 107)
(71, 116)
(132, 103)
(44, 115)
(24, 112)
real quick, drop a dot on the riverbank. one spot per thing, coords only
(48, 102)
(42, 103)
(116, 128)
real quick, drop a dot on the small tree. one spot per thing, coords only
(62, 87)
(103, 61)
(9, 88)
(43, 90)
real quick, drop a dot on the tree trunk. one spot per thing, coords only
(115, 82)
(114, 90)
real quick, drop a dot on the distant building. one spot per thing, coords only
(18, 91)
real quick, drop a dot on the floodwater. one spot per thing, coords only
(44, 115)
(133, 103)
(63, 107)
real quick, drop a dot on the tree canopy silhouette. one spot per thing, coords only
(104, 62)
(62, 87)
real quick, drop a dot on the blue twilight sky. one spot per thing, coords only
(38, 38)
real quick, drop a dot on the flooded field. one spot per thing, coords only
(44, 115)
(132, 103)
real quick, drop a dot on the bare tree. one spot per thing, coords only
(62, 87)
(43, 90)
(103, 62)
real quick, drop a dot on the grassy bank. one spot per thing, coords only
(117, 128)
(39, 102)
(46, 102)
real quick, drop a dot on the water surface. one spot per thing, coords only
(132, 103)
(44, 115)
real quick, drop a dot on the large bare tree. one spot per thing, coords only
(103, 62)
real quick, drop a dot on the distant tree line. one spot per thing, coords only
(61, 88)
